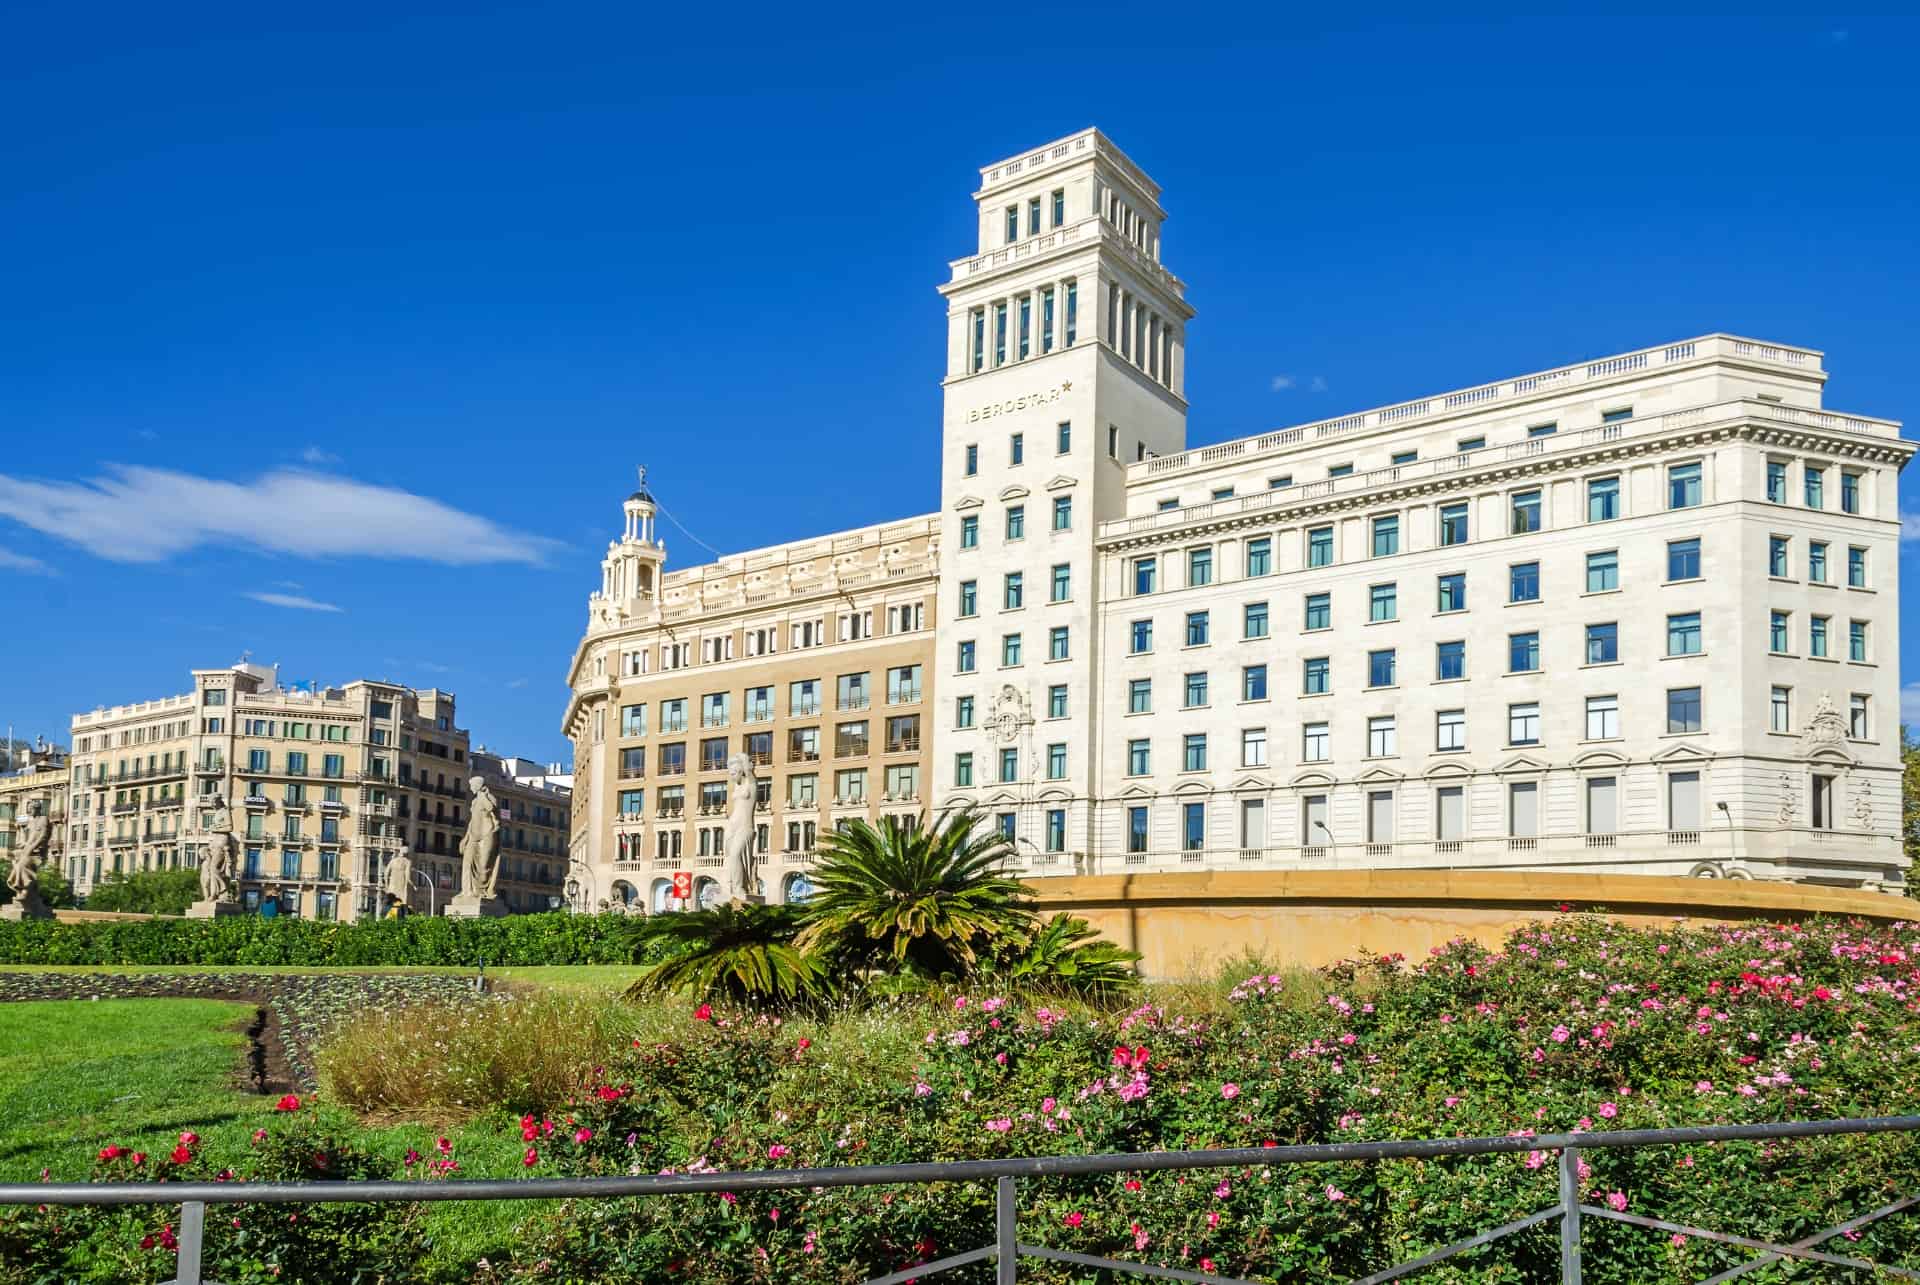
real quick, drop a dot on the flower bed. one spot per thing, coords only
(1577, 1024)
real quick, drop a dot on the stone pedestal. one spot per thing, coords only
(27, 907)
(474, 908)
(215, 909)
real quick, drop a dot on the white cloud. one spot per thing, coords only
(11, 561)
(1910, 527)
(1910, 704)
(1312, 383)
(292, 600)
(516, 683)
(314, 455)
(148, 515)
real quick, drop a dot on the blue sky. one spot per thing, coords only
(442, 274)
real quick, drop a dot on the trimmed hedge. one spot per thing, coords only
(556, 938)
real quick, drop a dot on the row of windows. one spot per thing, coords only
(765, 640)
(1013, 650)
(900, 780)
(851, 691)
(1044, 319)
(850, 740)
(1138, 334)
(1779, 561)
(1819, 636)
(1055, 203)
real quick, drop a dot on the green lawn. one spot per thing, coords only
(584, 977)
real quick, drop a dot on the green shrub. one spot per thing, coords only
(148, 892)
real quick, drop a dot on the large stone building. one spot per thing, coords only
(324, 785)
(812, 659)
(1634, 614)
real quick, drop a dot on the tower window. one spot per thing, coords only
(1013, 224)
(1059, 206)
(1033, 217)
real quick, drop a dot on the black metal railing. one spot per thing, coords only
(1007, 1249)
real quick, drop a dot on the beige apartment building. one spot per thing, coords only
(813, 659)
(324, 785)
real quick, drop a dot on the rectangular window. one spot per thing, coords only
(1063, 513)
(1403, 457)
(1059, 206)
(1056, 839)
(1016, 522)
(1683, 709)
(1822, 809)
(1197, 628)
(1453, 591)
(1009, 651)
(1603, 643)
(1453, 524)
(1253, 683)
(1383, 602)
(1033, 216)
(1057, 701)
(1060, 585)
(1816, 487)
(1466, 444)
(1856, 567)
(1683, 800)
(1603, 571)
(964, 660)
(1382, 742)
(972, 460)
(1136, 829)
(1849, 492)
(1523, 724)
(1777, 632)
(1026, 329)
(970, 531)
(633, 720)
(1777, 556)
(1523, 582)
(1526, 512)
(1009, 765)
(1013, 591)
(1013, 223)
(850, 691)
(963, 769)
(1193, 826)
(1603, 499)
(1857, 716)
(1057, 646)
(1320, 547)
(1140, 637)
(1523, 809)
(1073, 316)
(1450, 730)
(1683, 486)
(1450, 660)
(1017, 447)
(1313, 743)
(903, 684)
(1683, 634)
(1776, 482)
(1144, 570)
(1000, 334)
(963, 711)
(1817, 635)
(1253, 620)
(1196, 690)
(1523, 652)
(1380, 667)
(1450, 813)
(1140, 696)
(1817, 561)
(1603, 718)
(1318, 678)
(1280, 483)
(1386, 536)
(1856, 640)
(1683, 560)
(1319, 612)
(1780, 710)
(1057, 762)
(1199, 567)
(1259, 556)
(1139, 757)
(1253, 747)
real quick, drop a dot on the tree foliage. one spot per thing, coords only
(148, 892)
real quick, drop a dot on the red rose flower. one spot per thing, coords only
(291, 1102)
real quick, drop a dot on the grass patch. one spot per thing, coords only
(78, 1074)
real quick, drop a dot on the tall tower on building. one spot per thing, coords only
(630, 573)
(1066, 353)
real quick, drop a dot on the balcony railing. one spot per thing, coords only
(903, 745)
(1006, 1248)
(803, 756)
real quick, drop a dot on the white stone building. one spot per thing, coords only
(1635, 614)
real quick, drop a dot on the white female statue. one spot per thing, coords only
(742, 881)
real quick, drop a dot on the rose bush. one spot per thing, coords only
(1577, 1024)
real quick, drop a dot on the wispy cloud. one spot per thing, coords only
(1287, 383)
(293, 600)
(11, 561)
(314, 455)
(1910, 527)
(1910, 704)
(515, 684)
(148, 515)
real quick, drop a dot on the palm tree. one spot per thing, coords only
(741, 953)
(935, 902)
(1066, 956)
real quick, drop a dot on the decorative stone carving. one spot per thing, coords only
(1010, 715)
(1789, 800)
(23, 872)
(1862, 804)
(1826, 729)
(742, 877)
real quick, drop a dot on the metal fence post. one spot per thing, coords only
(193, 1226)
(1570, 1216)
(1007, 1238)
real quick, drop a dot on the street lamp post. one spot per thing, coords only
(426, 879)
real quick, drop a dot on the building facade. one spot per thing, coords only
(37, 778)
(812, 659)
(1636, 614)
(323, 784)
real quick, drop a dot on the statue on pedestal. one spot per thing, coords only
(480, 856)
(397, 883)
(216, 857)
(742, 872)
(23, 872)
